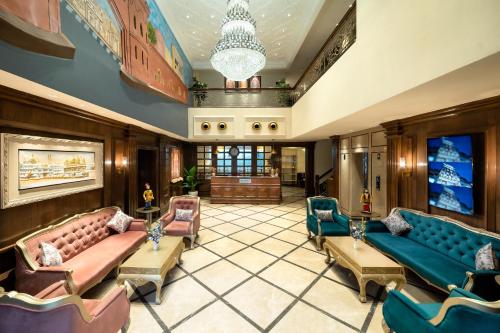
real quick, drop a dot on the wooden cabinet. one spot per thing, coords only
(246, 189)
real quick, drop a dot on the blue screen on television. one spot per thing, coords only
(450, 173)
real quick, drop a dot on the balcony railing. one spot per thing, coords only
(241, 98)
(337, 44)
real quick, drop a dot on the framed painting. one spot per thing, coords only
(229, 84)
(243, 84)
(255, 82)
(39, 168)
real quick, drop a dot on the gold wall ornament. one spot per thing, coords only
(273, 126)
(256, 125)
(205, 126)
(222, 125)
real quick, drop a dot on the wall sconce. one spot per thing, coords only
(406, 159)
(121, 165)
(405, 169)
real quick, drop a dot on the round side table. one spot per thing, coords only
(149, 214)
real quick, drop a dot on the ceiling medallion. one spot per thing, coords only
(238, 54)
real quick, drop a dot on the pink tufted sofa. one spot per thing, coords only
(90, 250)
(182, 228)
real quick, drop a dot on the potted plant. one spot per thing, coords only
(284, 96)
(199, 91)
(191, 181)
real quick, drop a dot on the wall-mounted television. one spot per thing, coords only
(450, 173)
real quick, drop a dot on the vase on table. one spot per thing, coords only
(355, 245)
(156, 245)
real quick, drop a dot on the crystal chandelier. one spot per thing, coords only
(238, 54)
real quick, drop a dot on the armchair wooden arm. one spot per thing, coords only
(491, 307)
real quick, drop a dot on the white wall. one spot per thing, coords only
(400, 45)
(239, 121)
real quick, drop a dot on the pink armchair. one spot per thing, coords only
(182, 228)
(52, 310)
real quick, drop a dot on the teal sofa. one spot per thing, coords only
(462, 311)
(338, 227)
(440, 250)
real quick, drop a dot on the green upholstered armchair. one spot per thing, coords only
(462, 311)
(338, 227)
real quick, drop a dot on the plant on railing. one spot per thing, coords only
(284, 96)
(199, 92)
(151, 33)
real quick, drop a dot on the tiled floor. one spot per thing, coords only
(253, 270)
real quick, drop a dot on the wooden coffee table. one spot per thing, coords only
(147, 265)
(365, 262)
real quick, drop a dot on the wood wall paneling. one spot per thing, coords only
(481, 118)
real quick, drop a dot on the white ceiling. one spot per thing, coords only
(282, 26)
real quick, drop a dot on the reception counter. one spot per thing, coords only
(245, 189)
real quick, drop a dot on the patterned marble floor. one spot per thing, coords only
(253, 270)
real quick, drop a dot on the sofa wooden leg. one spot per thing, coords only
(309, 235)
(192, 237)
(318, 243)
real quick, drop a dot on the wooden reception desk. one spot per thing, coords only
(245, 189)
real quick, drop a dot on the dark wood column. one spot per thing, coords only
(335, 166)
(310, 168)
(132, 171)
(394, 135)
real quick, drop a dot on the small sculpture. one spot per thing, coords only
(366, 200)
(148, 196)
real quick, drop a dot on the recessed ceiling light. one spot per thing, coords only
(202, 55)
(279, 44)
(263, 15)
(212, 16)
(215, 32)
(187, 16)
(276, 54)
(350, 5)
(283, 30)
(194, 32)
(198, 44)
(289, 14)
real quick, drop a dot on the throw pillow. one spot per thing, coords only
(324, 215)
(184, 215)
(120, 222)
(485, 258)
(50, 255)
(396, 223)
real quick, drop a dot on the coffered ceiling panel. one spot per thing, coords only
(282, 26)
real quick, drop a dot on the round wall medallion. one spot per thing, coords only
(273, 126)
(234, 151)
(222, 125)
(256, 125)
(205, 125)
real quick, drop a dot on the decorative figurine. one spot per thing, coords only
(366, 199)
(148, 196)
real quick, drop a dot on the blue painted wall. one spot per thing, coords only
(93, 76)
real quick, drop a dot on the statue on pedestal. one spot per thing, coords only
(148, 196)
(366, 200)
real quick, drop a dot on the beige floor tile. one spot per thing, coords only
(207, 235)
(340, 301)
(291, 237)
(243, 205)
(228, 217)
(376, 322)
(275, 212)
(342, 275)
(244, 212)
(262, 217)
(210, 222)
(212, 212)
(267, 229)
(308, 259)
(289, 277)
(221, 276)
(270, 206)
(303, 318)
(311, 245)
(300, 227)
(259, 301)
(295, 217)
(248, 237)
(301, 211)
(286, 208)
(274, 246)
(225, 246)
(257, 208)
(246, 222)
(216, 205)
(179, 300)
(281, 222)
(141, 320)
(197, 258)
(226, 228)
(217, 318)
(297, 204)
(229, 208)
(252, 259)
